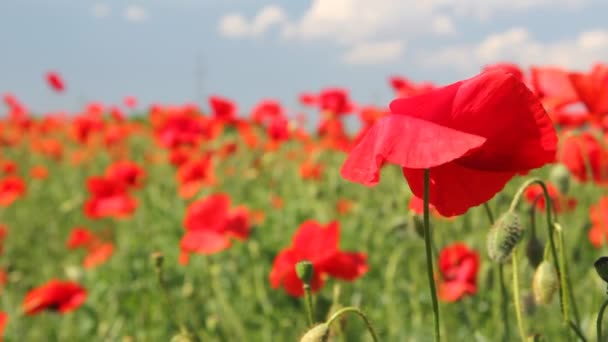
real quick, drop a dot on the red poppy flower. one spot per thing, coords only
(473, 136)
(308, 99)
(210, 223)
(598, 234)
(80, 237)
(458, 267)
(39, 172)
(179, 127)
(319, 245)
(344, 206)
(585, 157)
(592, 88)
(266, 111)
(109, 198)
(223, 109)
(56, 295)
(335, 101)
(311, 170)
(553, 83)
(3, 321)
(278, 129)
(195, 174)
(98, 254)
(9, 167)
(130, 101)
(11, 188)
(127, 172)
(534, 195)
(55, 81)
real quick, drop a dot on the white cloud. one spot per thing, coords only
(442, 25)
(237, 26)
(101, 10)
(519, 46)
(135, 13)
(374, 53)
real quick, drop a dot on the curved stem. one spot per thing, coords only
(429, 254)
(360, 313)
(486, 206)
(516, 299)
(600, 316)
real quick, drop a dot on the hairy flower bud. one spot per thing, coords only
(601, 267)
(544, 283)
(503, 236)
(318, 333)
(534, 252)
(560, 176)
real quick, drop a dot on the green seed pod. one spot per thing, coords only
(544, 283)
(503, 236)
(560, 176)
(534, 252)
(601, 267)
(304, 270)
(318, 333)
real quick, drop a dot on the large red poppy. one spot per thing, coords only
(127, 172)
(458, 267)
(473, 135)
(11, 188)
(56, 295)
(319, 245)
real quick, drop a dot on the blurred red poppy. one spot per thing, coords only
(592, 88)
(11, 188)
(210, 223)
(80, 237)
(534, 195)
(55, 81)
(266, 111)
(194, 175)
(223, 109)
(473, 135)
(98, 254)
(127, 172)
(109, 198)
(598, 234)
(319, 245)
(55, 295)
(9, 167)
(311, 170)
(585, 157)
(98, 251)
(3, 321)
(458, 267)
(130, 101)
(39, 172)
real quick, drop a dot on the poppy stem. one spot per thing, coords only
(360, 313)
(516, 298)
(429, 254)
(308, 304)
(600, 316)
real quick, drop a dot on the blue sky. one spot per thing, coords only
(177, 51)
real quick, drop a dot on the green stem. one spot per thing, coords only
(600, 316)
(516, 298)
(429, 254)
(504, 303)
(360, 313)
(504, 300)
(308, 300)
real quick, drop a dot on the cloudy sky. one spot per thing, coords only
(176, 51)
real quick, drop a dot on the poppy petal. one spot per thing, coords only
(204, 242)
(347, 266)
(406, 141)
(455, 188)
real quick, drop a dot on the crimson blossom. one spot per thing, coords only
(56, 295)
(473, 136)
(319, 245)
(458, 267)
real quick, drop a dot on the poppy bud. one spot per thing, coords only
(304, 270)
(560, 176)
(601, 267)
(544, 283)
(503, 236)
(534, 252)
(318, 333)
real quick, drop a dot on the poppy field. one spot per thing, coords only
(474, 211)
